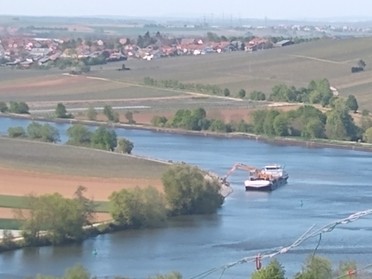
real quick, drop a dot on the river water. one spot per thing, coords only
(325, 185)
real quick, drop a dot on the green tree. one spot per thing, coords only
(352, 103)
(19, 108)
(3, 107)
(316, 268)
(199, 119)
(226, 92)
(280, 125)
(190, 120)
(362, 64)
(62, 219)
(16, 132)
(23, 108)
(367, 136)
(124, 146)
(79, 135)
(138, 208)
(274, 270)
(257, 96)
(340, 124)
(41, 132)
(109, 112)
(307, 121)
(159, 121)
(282, 93)
(129, 117)
(268, 124)
(86, 206)
(242, 93)
(314, 128)
(61, 111)
(258, 118)
(188, 190)
(77, 272)
(116, 117)
(104, 138)
(92, 113)
(320, 92)
(217, 125)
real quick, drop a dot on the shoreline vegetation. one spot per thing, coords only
(313, 143)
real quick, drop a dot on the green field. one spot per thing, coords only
(19, 202)
(10, 224)
(12, 201)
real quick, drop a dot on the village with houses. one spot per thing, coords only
(24, 48)
(26, 52)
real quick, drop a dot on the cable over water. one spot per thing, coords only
(312, 232)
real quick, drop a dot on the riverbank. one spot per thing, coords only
(314, 143)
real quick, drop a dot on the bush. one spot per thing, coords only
(92, 113)
(124, 146)
(62, 218)
(104, 138)
(61, 111)
(273, 271)
(79, 135)
(242, 93)
(19, 108)
(316, 268)
(109, 113)
(159, 121)
(129, 117)
(16, 132)
(41, 132)
(138, 208)
(3, 107)
(226, 92)
(188, 190)
(7, 242)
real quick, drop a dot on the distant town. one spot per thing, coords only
(37, 44)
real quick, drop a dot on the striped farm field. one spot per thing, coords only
(28, 167)
(261, 70)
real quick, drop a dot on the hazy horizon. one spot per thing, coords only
(209, 9)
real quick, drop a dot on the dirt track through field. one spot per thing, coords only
(319, 59)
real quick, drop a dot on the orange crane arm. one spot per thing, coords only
(239, 166)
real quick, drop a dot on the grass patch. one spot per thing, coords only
(12, 201)
(10, 224)
(20, 202)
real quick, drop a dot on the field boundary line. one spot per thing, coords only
(319, 59)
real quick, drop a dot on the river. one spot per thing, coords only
(325, 185)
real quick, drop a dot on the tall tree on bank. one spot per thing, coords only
(104, 138)
(55, 217)
(340, 125)
(61, 111)
(79, 135)
(352, 103)
(190, 191)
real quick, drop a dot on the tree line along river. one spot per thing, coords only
(325, 185)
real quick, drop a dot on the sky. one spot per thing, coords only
(274, 9)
